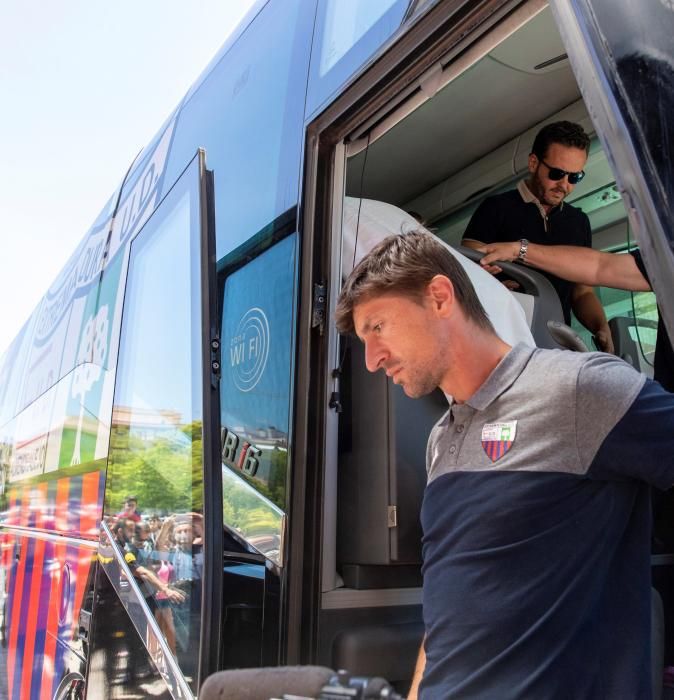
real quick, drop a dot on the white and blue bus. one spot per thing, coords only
(196, 473)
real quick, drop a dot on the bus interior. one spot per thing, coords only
(144, 392)
(457, 134)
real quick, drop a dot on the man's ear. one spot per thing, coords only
(440, 291)
(533, 162)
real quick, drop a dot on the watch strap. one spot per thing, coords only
(524, 246)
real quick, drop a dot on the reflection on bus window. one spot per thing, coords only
(249, 111)
(252, 516)
(167, 567)
(255, 389)
(154, 492)
(257, 344)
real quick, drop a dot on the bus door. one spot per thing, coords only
(258, 296)
(157, 603)
(623, 57)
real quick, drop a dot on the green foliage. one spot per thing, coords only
(163, 471)
(274, 487)
(244, 510)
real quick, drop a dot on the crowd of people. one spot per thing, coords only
(164, 554)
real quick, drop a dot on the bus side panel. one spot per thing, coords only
(44, 583)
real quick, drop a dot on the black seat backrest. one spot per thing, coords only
(625, 346)
(547, 306)
(382, 476)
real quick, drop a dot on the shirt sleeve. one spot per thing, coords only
(606, 386)
(636, 254)
(587, 232)
(640, 446)
(485, 224)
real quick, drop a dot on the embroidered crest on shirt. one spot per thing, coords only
(497, 438)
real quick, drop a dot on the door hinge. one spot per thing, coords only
(215, 361)
(392, 516)
(319, 304)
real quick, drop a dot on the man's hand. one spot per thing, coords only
(495, 252)
(589, 311)
(604, 340)
(511, 284)
(418, 673)
(174, 595)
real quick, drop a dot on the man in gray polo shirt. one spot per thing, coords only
(536, 515)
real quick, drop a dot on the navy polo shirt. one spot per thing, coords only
(507, 217)
(537, 524)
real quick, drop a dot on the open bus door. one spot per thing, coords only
(155, 626)
(622, 54)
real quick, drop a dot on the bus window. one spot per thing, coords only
(632, 316)
(630, 91)
(256, 390)
(347, 34)
(154, 490)
(344, 25)
(247, 115)
(633, 319)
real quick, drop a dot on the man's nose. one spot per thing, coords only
(566, 185)
(375, 355)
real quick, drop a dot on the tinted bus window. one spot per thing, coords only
(154, 495)
(347, 35)
(633, 96)
(256, 392)
(248, 116)
(644, 73)
(633, 319)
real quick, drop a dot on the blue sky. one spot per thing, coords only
(85, 84)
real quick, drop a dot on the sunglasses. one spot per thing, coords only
(558, 174)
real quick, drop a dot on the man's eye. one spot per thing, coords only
(377, 328)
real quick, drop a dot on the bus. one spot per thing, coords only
(196, 474)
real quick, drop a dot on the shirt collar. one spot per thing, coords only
(530, 198)
(503, 376)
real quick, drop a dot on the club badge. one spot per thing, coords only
(497, 438)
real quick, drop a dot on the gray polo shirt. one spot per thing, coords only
(536, 526)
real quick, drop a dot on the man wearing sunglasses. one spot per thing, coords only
(535, 212)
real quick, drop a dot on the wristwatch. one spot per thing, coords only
(524, 246)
